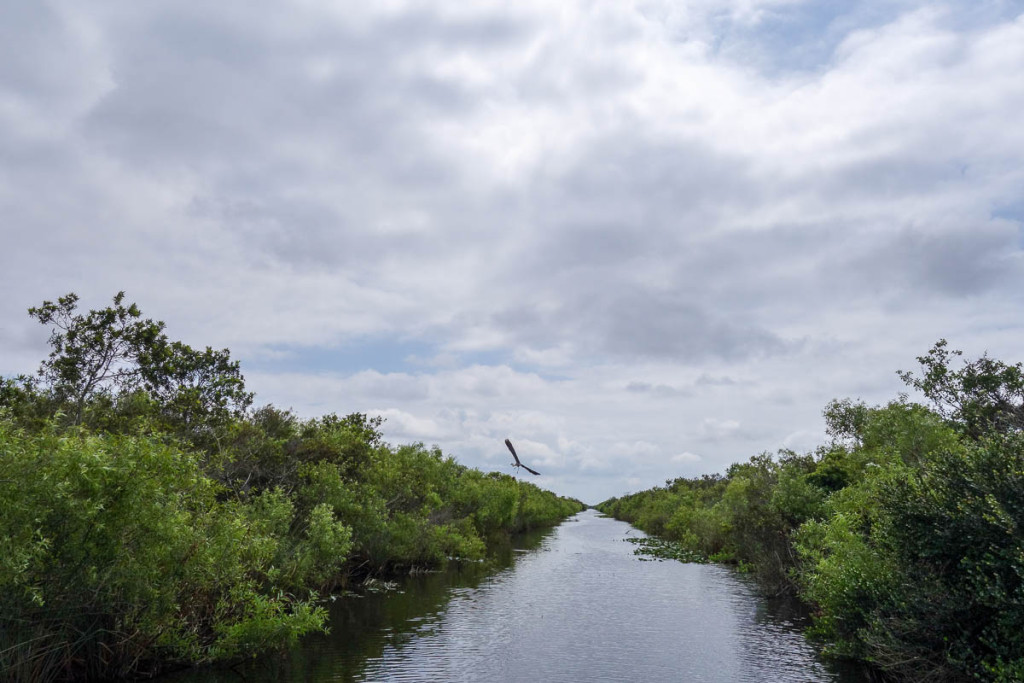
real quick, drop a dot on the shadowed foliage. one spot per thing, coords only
(905, 533)
(148, 517)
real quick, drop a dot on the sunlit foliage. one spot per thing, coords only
(905, 533)
(147, 516)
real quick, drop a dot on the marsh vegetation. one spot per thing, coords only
(904, 534)
(150, 516)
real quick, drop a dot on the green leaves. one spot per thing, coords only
(98, 358)
(119, 543)
(659, 549)
(95, 352)
(983, 396)
(905, 534)
(196, 390)
(147, 516)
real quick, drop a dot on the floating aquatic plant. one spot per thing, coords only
(649, 549)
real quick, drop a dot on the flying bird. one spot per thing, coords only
(517, 463)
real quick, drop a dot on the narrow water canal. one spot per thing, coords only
(571, 604)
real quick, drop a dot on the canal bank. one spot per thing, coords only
(570, 603)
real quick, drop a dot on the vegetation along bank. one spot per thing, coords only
(904, 533)
(150, 516)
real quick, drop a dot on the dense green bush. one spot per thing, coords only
(115, 551)
(905, 534)
(147, 516)
(122, 552)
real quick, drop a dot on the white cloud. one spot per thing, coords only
(411, 427)
(686, 457)
(713, 428)
(596, 225)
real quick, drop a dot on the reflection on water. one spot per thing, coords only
(571, 603)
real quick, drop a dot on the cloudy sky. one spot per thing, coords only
(642, 238)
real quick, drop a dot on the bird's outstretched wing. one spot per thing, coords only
(519, 464)
(509, 444)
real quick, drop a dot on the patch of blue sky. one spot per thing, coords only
(380, 354)
(803, 36)
(980, 14)
(1012, 211)
(468, 358)
(384, 355)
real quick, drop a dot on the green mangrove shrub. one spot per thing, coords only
(116, 553)
(904, 534)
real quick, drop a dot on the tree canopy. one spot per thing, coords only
(904, 533)
(148, 516)
(115, 355)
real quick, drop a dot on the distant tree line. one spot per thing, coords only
(149, 515)
(905, 533)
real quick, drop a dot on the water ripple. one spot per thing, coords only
(583, 607)
(578, 606)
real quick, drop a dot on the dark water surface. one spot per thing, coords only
(570, 604)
